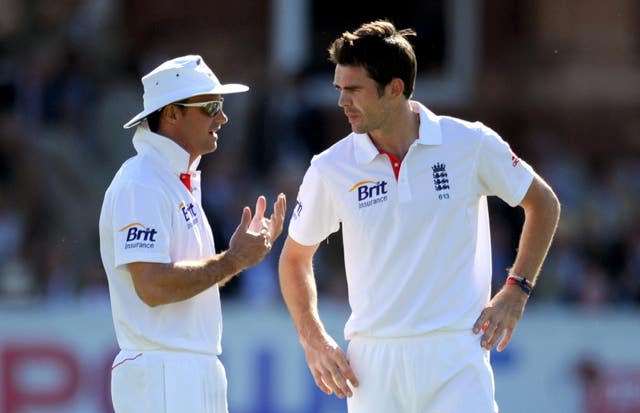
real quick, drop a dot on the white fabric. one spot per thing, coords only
(441, 372)
(148, 215)
(178, 79)
(417, 250)
(168, 382)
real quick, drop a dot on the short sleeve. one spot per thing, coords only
(501, 172)
(313, 217)
(141, 225)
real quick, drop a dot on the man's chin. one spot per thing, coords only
(211, 149)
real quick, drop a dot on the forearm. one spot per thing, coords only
(158, 284)
(326, 360)
(542, 212)
(300, 295)
(218, 269)
(297, 283)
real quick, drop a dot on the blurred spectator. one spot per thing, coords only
(65, 87)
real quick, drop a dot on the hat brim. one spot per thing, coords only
(226, 89)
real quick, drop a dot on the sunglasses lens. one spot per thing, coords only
(211, 108)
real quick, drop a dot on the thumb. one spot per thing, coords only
(256, 222)
(246, 219)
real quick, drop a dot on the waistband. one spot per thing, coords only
(427, 335)
(166, 354)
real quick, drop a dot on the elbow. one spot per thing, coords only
(148, 297)
(151, 303)
(145, 284)
(554, 206)
(550, 208)
(542, 201)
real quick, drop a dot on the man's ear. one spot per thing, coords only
(396, 87)
(169, 114)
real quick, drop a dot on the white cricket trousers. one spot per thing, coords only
(168, 382)
(439, 372)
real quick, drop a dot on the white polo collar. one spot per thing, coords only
(429, 133)
(164, 150)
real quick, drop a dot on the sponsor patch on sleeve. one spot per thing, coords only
(137, 235)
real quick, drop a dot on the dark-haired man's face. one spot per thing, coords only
(360, 99)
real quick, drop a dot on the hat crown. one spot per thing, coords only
(177, 79)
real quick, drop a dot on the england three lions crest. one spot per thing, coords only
(441, 180)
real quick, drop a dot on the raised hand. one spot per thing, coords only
(246, 246)
(274, 224)
(255, 235)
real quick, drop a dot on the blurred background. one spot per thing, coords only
(558, 79)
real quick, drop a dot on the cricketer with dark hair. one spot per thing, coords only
(409, 189)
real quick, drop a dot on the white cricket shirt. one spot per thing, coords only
(417, 249)
(149, 215)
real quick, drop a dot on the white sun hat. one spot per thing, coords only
(178, 79)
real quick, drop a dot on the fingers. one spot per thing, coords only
(268, 229)
(257, 226)
(348, 372)
(317, 377)
(330, 368)
(279, 207)
(491, 329)
(256, 223)
(479, 325)
(506, 338)
(261, 206)
(491, 335)
(339, 383)
(282, 200)
(499, 318)
(334, 381)
(276, 221)
(335, 374)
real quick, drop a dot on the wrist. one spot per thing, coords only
(233, 262)
(522, 283)
(312, 333)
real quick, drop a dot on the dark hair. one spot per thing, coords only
(383, 51)
(153, 119)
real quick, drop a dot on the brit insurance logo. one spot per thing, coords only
(370, 192)
(189, 214)
(139, 236)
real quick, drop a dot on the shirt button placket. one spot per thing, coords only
(404, 189)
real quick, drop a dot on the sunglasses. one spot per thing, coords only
(211, 107)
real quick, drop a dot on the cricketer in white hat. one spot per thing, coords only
(158, 250)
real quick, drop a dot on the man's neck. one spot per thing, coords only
(399, 133)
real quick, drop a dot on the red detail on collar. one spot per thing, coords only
(395, 162)
(185, 178)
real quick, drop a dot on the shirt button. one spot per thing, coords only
(396, 164)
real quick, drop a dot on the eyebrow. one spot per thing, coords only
(350, 87)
